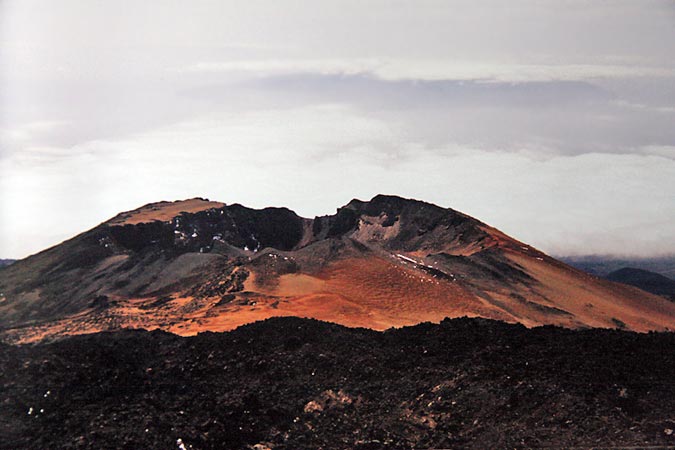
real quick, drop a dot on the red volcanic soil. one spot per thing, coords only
(163, 211)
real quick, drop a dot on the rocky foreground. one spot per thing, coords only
(291, 383)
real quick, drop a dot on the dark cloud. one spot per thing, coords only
(554, 117)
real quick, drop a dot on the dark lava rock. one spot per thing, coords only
(237, 225)
(291, 383)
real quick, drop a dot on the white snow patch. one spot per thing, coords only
(405, 258)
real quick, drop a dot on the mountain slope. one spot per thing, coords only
(198, 265)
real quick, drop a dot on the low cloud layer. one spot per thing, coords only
(552, 121)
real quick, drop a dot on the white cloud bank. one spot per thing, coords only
(316, 158)
(429, 70)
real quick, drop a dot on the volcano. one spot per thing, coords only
(198, 265)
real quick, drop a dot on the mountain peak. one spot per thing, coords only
(196, 265)
(387, 202)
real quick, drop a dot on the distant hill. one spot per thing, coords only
(6, 262)
(604, 265)
(645, 280)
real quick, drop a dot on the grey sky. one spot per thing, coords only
(552, 120)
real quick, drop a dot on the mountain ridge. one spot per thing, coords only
(602, 265)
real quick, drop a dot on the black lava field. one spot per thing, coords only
(291, 383)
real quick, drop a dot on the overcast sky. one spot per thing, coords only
(551, 120)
